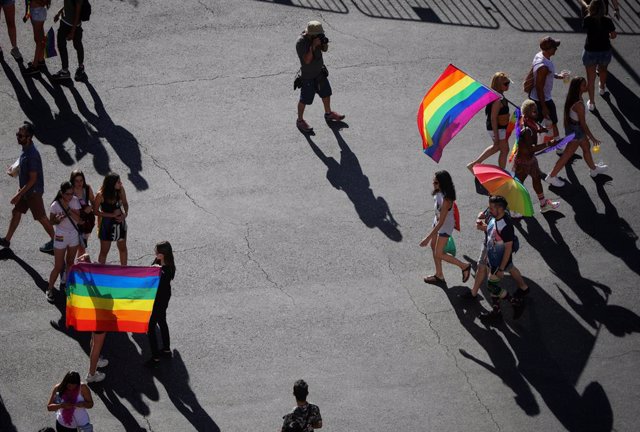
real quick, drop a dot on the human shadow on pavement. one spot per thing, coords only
(174, 376)
(50, 129)
(609, 229)
(547, 350)
(627, 102)
(123, 142)
(348, 177)
(6, 424)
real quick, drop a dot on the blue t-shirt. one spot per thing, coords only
(499, 232)
(30, 161)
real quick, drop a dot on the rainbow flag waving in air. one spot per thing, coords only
(517, 123)
(448, 106)
(111, 298)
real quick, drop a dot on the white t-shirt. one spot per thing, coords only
(538, 61)
(65, 226)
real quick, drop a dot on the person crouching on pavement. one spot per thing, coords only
(313, 73)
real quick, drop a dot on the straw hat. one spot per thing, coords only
(314, 28)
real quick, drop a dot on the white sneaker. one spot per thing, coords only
(591, 106)
(602, 90)
(554, 181)
(549, 205)
(515, 215)
(599, 169)
(96, 377)
(103, 362)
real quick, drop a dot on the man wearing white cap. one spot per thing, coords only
(310, 46)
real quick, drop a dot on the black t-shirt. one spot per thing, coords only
(598, 33)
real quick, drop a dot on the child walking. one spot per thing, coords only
(444, 195)
(526, 163)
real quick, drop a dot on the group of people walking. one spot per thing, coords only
(538, 130)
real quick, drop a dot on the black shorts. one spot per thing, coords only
(310, 87)
(553, 114)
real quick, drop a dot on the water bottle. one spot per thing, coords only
(596, 152)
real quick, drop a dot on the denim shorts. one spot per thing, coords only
(7, 2)
(38, 14)
(590, 58)
(310, 87)
(576, 129)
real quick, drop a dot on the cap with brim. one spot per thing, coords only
(314, 28)
(548, 43)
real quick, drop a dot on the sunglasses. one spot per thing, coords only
(506, 84)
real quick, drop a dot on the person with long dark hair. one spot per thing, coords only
(85, 195)
(164, 258)
(497, 114)
(575, 122)
(112, 208)
(444, 195)
(64, 214)
(597, 53)
(70, 399)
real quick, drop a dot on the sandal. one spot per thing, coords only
(434, 280)
(466, 273)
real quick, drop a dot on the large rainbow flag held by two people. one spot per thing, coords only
(111, 298)
(448, 106)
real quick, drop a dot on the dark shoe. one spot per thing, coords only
(31, 70)
(491, 317)
(15, 52)
(61, 75)
(47, 247)
(303, 126)
(151, 363)
(80, 75)
(333, 116)
(40, 66)
(166, 354)
(5, 243)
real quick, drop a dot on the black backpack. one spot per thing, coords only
(85, 11)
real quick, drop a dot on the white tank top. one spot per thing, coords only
(574, 115)
(80, 415)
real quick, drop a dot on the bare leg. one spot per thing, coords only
(70, 258)
(10, 17)
(13, 224)
(301, 108)
(591, 81)
(122, 248)
(504, 152)
(326, 101)
(105, 245)
(38, 37)
(603, 75)
(490, 150)
(481, 276)
(586, 153)
(97, 341)
(517, 276)
(569, 151)
(435, 243)
(58, 264)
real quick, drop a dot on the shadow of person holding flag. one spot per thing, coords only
(348, 177)
(123, 142)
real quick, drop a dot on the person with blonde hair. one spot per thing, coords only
(497, 114)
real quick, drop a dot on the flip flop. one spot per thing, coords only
(434, 280)
(466, 273)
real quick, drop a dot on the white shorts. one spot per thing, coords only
(502, 134)
(38, 14)
(65, 240)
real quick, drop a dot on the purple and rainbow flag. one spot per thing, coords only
(50, 44)
(518, 127)
(448, 106)
(111, 298)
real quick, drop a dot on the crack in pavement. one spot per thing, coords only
(207, 7)
(266, 75)
(175, 252)
(148, 423)
(448, 351)
(250, 252)
(167, 83)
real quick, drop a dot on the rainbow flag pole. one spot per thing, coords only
(111, 298)
(448, 106)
